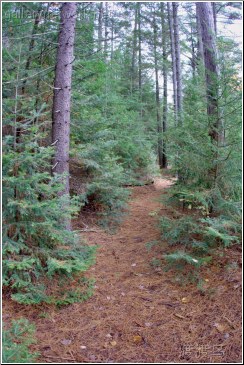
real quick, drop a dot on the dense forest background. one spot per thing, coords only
(99, 96)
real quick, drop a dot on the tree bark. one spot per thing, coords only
(173, 57)
(205, 12)
(31, 47)
(193, 55)
(165, 84)
(112, 40)
(134, 47)
(106, 31)
(100, 26)
(199, 36)
(157, 96)
(214, 17)
(139, 50)
(210, 61)
(177, 62)
(62, 95)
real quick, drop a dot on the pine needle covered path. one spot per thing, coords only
(137, 313)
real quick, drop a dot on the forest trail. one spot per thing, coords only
(137, 313)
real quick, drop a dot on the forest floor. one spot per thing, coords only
(140, 313)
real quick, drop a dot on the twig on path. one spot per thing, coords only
(58, 357)
(169, 304)
(88, 230)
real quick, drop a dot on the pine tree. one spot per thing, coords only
(62, 95)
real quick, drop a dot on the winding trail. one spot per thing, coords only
(137, 313)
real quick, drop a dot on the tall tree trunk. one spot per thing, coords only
(112, 39)
(193, 55)
(62, 95)
(19, 120)
(139, 50)
(214, 17)
(134, 51)
(165, 83)
(157, 96)
(177, 61)
(200, 52)
(31, 46)
(100, 26)
(172, 44)
(106, 31)
(211, 67)
(205, 12)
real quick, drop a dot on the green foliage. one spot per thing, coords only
(199, 237)
(67, 297)
(178, 231)
(151, 244)
(189, 199)
(36, 244)
(181, 258)
(16, 341)
(221, 230)
(214, 196)
(109, 135)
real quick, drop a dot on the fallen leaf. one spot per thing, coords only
(137, 339)
(113, 343)
(148, 324)
(220, 327)
(66, 342)
(185, 300)
(108, 335)
(152, 214)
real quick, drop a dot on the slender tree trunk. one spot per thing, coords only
(139, 50)
(157, 96)
(100, 26)
(112, 39)
(31, 47)
(193, 56)
(38, 82)
(106, 31)
(177, 61)
(214, 17)
(134, 48)
(200, 52)
(27, 66)
(165, 83)
(172, 44)
(62, 95)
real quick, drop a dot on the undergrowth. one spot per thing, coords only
(16, 341)
(193, 234)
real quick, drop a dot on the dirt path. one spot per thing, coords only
(136, 313)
